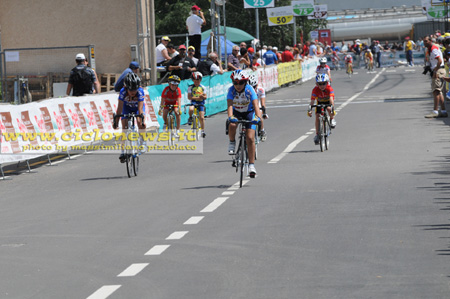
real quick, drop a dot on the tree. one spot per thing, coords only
(171, 19)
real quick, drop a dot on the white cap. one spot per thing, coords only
(80, 56)
(275, 48)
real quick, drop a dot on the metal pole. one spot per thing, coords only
(152, 52)
(295, 33)
(225, 33)
(257, 23)
(2, 83)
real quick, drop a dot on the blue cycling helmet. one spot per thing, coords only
(322, 78)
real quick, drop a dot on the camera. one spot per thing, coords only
(426, 69)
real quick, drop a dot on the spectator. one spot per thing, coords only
(344, 47)
(386, 46)
(232, 60)
(356, 49)
(335, 47)
(82, 78)
(409, 45)
(191, 55)
(287, 55)
(210, 66)
(400, 47)
(132, 68)
(256, 61)
(194, 25)
(394, 47)
(243, 45)
(244, 60)
(181, 65)
(162, 55)
(297, 54)
(306, 47)
(251, 55)
(171, 51)
(264, 50)
(96, 86)
(319, 49)
(270, 57)
(437, 81)
(275, 50)
(313, 49)
(378, 50)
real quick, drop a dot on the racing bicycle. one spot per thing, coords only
(195, 126)
(324, 125)
(240, 159)
(172, 124)
(133, 146)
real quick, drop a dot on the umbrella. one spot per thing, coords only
(205, 42)
(233, 34)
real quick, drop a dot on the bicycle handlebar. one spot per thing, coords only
(128, 115)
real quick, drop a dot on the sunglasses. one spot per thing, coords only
(173, 82)
(242, 82)
(322, 83)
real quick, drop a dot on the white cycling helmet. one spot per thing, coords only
(323, 60)
(239, 75)
(322, 78)
(253, 80)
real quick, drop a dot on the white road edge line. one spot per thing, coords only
(133, 269)
(104, 292)
(294, 143)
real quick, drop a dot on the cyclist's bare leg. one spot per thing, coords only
(250, 138)
(191, 111)
(177, 116)
(165, 112)
(232, 132)
(202, 119)
(330, 113)
(317, 123)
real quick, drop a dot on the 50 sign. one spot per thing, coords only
(280, 16)
(259, 3)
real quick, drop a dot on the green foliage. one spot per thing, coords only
(171, 19)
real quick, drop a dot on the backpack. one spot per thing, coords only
(82, 81)
(204, 67)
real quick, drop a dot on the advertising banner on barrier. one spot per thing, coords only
(289, 72)
(309, 68)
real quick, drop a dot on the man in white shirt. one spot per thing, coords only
(437, 80)
(161, 51)
(194, 25)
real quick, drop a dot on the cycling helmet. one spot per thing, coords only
(239, 75)
(253, 80)
(132, 81)
(174, 79)
(197, 75)
(323, 60)
(322, 78)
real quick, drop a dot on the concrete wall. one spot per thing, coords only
(110, 25)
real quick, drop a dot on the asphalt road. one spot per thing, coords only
(367, 219)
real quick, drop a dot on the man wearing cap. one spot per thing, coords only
(194, 25)
(82, 78)
(356, 49)
(132, 68)
(191, 53)
(162, 54)
(181, 65)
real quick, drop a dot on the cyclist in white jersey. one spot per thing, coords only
(261, 93)
(323, 68)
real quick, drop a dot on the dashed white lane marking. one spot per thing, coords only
(194, 220)
(214, 205)
(294, 143)
(177, 235)
(228, 192)
(104, 292)
(133, 270)
(157, 249)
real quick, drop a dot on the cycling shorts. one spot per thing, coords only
(322, 103)
(200, 105)
(249, 115)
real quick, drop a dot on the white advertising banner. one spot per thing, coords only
(320, 12)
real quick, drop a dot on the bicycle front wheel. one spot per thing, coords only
(243, 158)
(196, 127)
(326, 133)
(171, 129)
(321, 136)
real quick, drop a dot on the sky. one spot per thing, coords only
(361, 4)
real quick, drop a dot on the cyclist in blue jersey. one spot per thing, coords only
(131, 99)
(243, 104)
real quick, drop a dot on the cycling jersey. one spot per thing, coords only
(169, 97)
(242, 101)
(324, 96)
(196, 91)
(322, 70)
(348, 59)
(369, 55)
(130, 104)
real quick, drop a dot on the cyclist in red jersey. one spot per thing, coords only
(171, 95)
(322, 93)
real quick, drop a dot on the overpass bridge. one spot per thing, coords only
(383, 24)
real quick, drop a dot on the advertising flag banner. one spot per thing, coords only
(280, 15)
